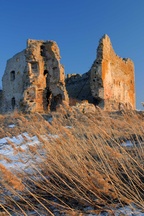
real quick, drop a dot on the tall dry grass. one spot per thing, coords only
(85, 166)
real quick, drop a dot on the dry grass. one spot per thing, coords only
(85, 166)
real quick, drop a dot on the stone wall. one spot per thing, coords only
(34, 79)
(109, 84)
(112, 78)
(78, 87)
(45, 75)
(1, 100)
(12, 82)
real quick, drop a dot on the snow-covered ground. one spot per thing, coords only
(15, 152)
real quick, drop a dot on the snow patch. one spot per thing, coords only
(68, 127)
(11, 125)
(128, 143)
(15, 152)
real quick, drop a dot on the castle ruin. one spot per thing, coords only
(34, 80)
(109, 84)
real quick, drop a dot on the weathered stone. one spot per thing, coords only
(34, 79)
(85, 107)
(1, 100)
(109, 84)
(112, 78)
(78, 86)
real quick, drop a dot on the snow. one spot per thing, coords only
(3, 141)
(68, 127)
(50, 119)
(126, 210)
(15, 153)
(11, 125)
(128, 143)
(130, 210)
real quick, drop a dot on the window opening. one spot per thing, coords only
(13, 103)
(42, 50)
(45, 72)
(12, 75)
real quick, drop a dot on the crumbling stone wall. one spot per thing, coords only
(78, 87)
(12, 82)
(110, 83)
(112, 78)
(1, 100)
(34, 79)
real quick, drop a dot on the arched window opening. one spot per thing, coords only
(45, 72)
(12, 75)
(13, 103)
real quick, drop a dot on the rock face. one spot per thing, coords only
(110, 82)
(34, 79)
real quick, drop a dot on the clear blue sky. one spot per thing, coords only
(77, 26)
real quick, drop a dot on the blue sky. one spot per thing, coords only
(77, 26)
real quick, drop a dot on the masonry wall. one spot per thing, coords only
(109, 84)
(12, 82)
(112, 78)
(45, 86)
(78, 87)
(1, 100)
(34, 79)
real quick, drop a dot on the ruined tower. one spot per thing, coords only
(109, 84)
(34, 79)
(112, 78)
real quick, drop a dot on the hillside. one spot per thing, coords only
(72, 162)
